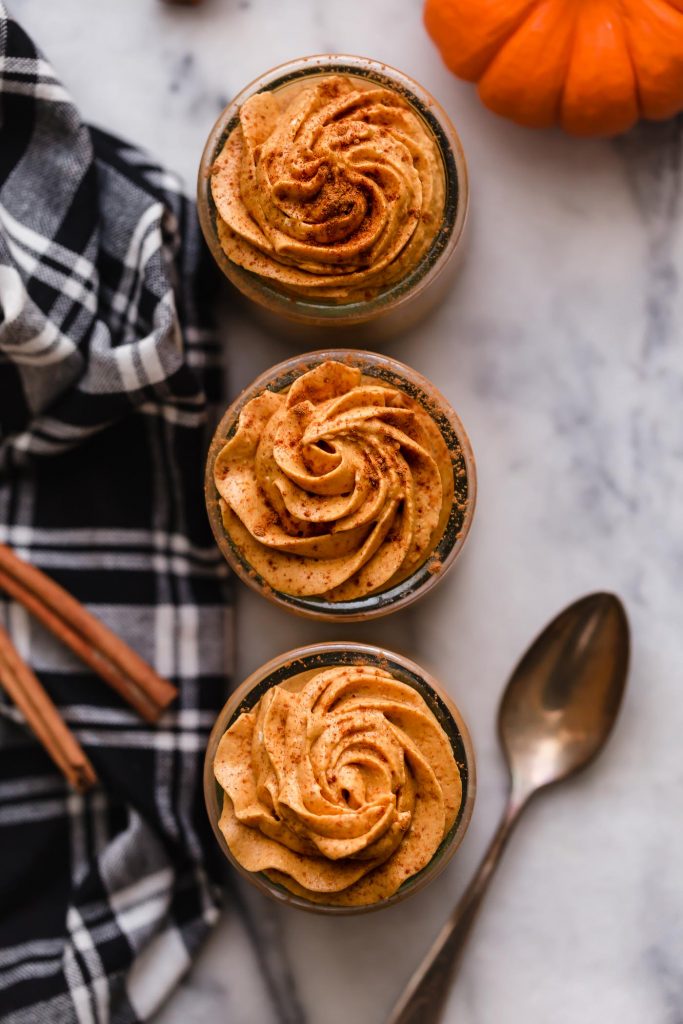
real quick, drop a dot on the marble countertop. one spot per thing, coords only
(560, 346)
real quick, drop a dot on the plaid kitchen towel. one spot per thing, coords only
(107, 371)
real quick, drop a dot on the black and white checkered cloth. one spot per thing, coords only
(107, 369)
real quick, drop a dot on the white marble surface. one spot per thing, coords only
(561, 347)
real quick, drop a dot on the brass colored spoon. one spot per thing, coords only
(555, 716)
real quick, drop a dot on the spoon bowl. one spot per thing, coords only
(563, 697)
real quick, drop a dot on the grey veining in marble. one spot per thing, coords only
(561, 346)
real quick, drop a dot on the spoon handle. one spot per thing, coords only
(425, 994)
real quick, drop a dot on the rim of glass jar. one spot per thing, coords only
(324, 655)
(456, 203)
(457, 527)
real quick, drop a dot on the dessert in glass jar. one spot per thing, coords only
(333, 193)
(339, 778)
(340, 485)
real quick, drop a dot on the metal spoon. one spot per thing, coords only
(555, 716)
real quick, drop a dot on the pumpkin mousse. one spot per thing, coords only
(339, 784)
(338, 487)
(330, 188)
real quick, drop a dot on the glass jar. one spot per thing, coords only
(401, 303)
(456, 516)
(319, 657)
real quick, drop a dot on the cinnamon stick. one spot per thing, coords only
(88, 637)
(44, 719)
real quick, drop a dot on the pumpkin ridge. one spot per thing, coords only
(431, 18)
(570, 54)
(599, 98)
(649, 12)
(530, 12)
(533, 31)
(522, 20)
(628, 44)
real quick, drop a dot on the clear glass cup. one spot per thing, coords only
(457, 518)
(322, 656)
(401, 304)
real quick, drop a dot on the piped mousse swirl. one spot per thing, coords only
(330, 189)
(340, 784)
(339, 487)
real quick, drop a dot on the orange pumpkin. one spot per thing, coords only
(593, 66)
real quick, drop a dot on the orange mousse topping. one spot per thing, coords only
(339, 487)
(339, 784)
(331, 188)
